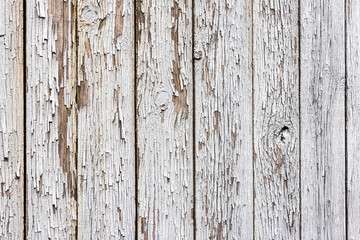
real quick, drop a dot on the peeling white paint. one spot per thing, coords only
(323, 119)
(276, 119)
(224, 171)
(260, 163)
(106, 124)
(11, 120)
(164, 119)
(50, 120)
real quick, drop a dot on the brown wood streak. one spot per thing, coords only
(180, 95)
(118, 19)
(58, 9)
(51, 123)
(105, 94)
(83, 90)
(164, 119)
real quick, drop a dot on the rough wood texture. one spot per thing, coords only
(50, 120)
(11, 120)
(274, 130)
(353, 117)
(106, 125)
(276, 119)
(164, 119)
(224, 173)
(322, 119)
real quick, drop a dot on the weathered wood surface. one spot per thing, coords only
(276, 120)
(11, 120)
(164, 119)
(50, 119)
(322, 119)
(223, 125)
(106, 124)
(180, 119)
(353, 117)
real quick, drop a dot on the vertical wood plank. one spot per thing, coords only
(223, 77)
(11, 120)
(50, 120)
(276, 119)
(322, 119)
(353, 116)
(164, 119)
(106, 125)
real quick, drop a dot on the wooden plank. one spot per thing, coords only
(164, 119)
(276, 119)
(106, 125)
(50, 120)
(322, 119)
(353, 116)
(11, 120)
(223, 78)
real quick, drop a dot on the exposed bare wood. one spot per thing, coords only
(224, 173)
(276, 119)
(322, 119)
(164, 119)
(11, 120)
(270, 136)
(106, 151)
(50, 120)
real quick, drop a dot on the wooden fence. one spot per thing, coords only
(179, 119)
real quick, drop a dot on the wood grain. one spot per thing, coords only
(353, 116)
(164, 119)
(179, 119)
(276, 119)
(223, 98)
(11, 120)
(106, 125)
(322, 119)
(50, 120)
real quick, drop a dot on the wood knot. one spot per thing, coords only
(89, 14)
(284, 134)
(197, 55)
(162, 99)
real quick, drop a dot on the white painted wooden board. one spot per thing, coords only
(106, 120)
(322, 119)
(134, 131)
(223, 125)
(276, 119)
(11, 120)
(164, 119)
(50, 119)
(353, 117)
